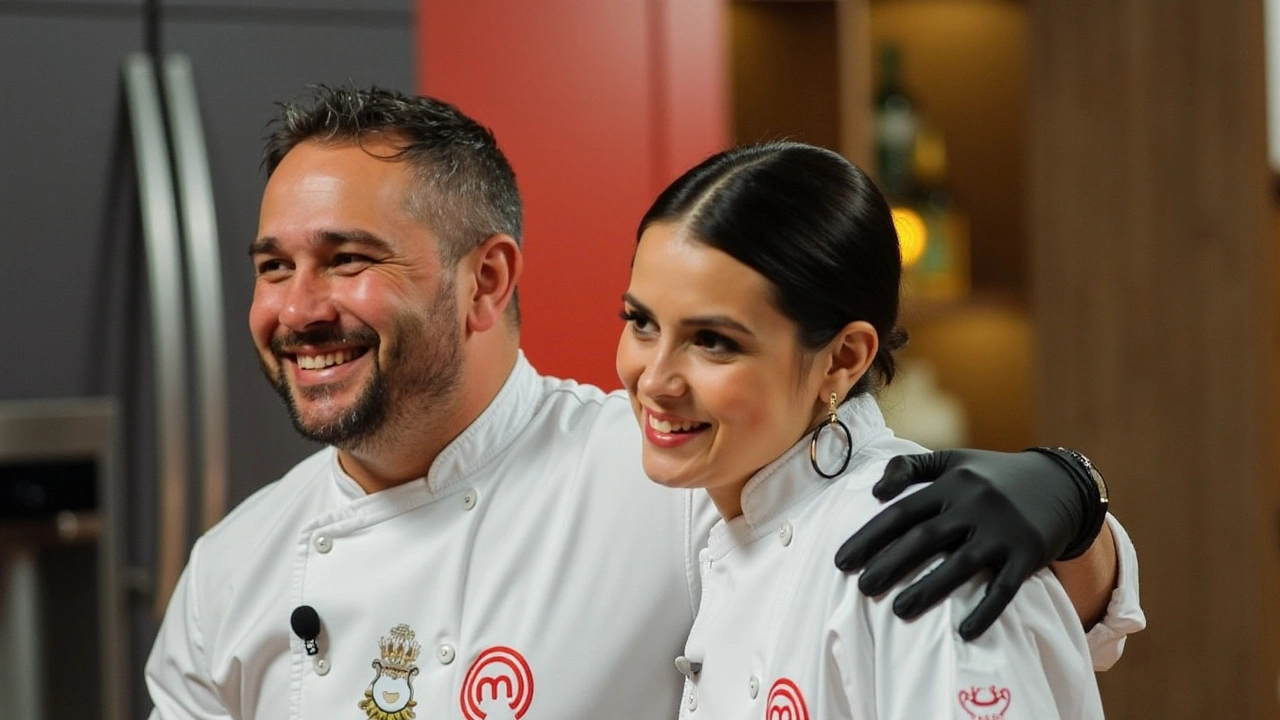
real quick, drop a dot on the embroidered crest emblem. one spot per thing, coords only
(499, 683)
(390, 695)
(985, 703)
(785, 702)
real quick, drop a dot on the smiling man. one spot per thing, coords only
(356, 314)
(478, 540)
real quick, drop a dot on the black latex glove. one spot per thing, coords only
(1010, 513)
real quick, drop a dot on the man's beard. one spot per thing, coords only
(424, 369)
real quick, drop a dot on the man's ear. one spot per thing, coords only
(849, 356)
(493, 269)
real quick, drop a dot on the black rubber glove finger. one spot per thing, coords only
(904, 471)
(915, 548)
(999, 594)
(956, 570)
(883, 529)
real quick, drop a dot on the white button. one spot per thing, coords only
(784, 534)
(445, 654)
(753, 687)
(322, 666)
(693, 697)
(323, 543)
(687, 667)
(469, 499)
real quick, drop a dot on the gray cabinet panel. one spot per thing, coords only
(346, 8)
(77, 7)
(65, 180)
(241, 70)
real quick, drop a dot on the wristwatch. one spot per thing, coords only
(1093, 493)
(1098, 480)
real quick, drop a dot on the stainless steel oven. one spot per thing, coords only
(62, 612)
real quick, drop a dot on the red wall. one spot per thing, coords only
(598, 104)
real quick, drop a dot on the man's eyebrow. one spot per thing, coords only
(331, 238)
(720, 322)
(264, 246)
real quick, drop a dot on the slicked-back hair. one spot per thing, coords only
(813, 224)
(466, 190)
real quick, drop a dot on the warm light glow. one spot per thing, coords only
(912, 234)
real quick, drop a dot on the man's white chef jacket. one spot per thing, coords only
(781, 634)
(535, 572)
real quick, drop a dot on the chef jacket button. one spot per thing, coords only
(784, 534)
(469, 499)
(687, 667)
(753, 687)
(322, 666)
(445, 654)
(323, 543)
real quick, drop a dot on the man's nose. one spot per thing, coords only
(309, 300)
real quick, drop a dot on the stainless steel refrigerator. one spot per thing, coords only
(130, 141)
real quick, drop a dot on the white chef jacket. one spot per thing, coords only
(534, 572)
(781, 634)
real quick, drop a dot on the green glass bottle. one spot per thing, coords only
(896, 125)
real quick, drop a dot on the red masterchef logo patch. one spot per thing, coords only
(785, 702)
(499, 677)
(985, 703)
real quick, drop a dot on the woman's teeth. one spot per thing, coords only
(663, 426)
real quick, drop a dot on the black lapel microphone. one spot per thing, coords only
(306, 625)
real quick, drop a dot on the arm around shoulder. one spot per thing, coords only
(1103, 587)
(1032, 662)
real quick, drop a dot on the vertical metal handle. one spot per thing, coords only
(164, 282)
(204, 279)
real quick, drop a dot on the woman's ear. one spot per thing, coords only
(849, 356)
(493, 269)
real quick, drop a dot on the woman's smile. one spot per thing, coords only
(669, 431)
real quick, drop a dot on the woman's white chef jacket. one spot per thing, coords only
(534, 573)
(781, 634)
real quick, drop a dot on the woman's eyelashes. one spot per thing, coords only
(715, 343)
(640, 322)
(710, 341)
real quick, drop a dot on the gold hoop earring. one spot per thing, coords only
(832, 422)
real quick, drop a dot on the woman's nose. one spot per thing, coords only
(662, 376)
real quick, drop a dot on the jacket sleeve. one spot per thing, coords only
(177, 672)
(1124, 613)
(1032, 664)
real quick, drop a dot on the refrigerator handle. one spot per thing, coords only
(204, 279)
(164, 283)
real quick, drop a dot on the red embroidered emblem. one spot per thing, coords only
(785, 702)
(985, 703)
(498, 675)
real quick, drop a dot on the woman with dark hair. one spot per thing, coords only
(761, 318)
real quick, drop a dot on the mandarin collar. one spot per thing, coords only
(485, 438)
(779, 487)
(491, 433)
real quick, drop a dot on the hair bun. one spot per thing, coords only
(895, 339)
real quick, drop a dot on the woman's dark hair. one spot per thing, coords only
(813, 225)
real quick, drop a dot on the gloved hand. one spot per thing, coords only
(1012, 513)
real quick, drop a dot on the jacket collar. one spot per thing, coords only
(485, 438)
(778, 488)
(491, 433)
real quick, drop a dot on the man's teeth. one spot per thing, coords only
(663, 426)
(318, 362)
